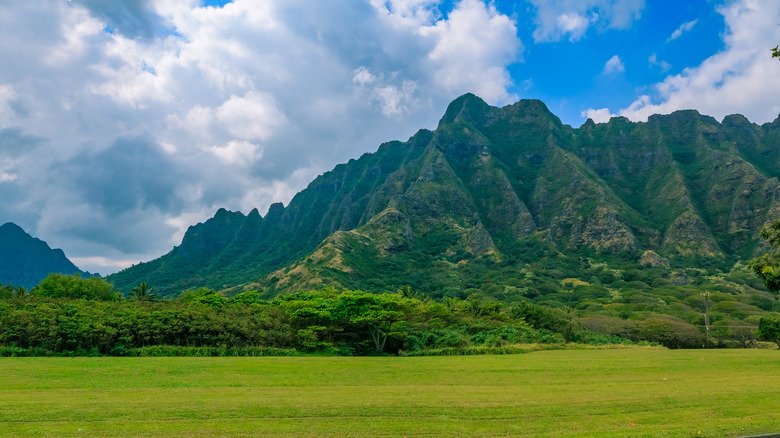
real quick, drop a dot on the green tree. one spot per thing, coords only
(769, 330)
(776, 52)
(247, 297)
(9, 291)
(205, 296)
(376, 312)
(73, 286)
(407, 292)
(767, 266)
(142, 292)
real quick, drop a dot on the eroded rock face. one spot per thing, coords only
(605, 232)
(650, 258)
(689, 235)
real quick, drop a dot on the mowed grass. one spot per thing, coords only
(627, 392)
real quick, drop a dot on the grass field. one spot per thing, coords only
(633, 392)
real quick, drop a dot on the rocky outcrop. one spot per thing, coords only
(650, 258)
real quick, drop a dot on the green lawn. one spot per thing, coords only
(628, 392)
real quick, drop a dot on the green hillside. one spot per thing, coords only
(509, 203)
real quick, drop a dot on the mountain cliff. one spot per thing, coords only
(495, 196)
(25, 260)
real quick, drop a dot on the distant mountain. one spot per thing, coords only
(25, 260)
(493, 199)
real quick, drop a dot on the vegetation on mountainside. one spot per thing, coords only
(625, 228)
(767, 266)
(495, 195)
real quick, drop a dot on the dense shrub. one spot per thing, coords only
(205, 323)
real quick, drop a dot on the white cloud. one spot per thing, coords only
(598, 115)
(7, 95)
(559, 19)
(8, 177)
(102, 264)
(199, 108)
(237, 152)
(415, 12)
(363, 76)
(740, 79)
(253, 116)
(79, 29)
(614, 65)
(473, 47)
(575, 24)
(685, 27)
(393, 98)
(654, 62)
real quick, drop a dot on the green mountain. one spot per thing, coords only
(508, 202)
(25, 260)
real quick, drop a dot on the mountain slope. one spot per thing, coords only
(491, 191)
(25, 260)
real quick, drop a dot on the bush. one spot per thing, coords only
(73, 286)
(670, 332)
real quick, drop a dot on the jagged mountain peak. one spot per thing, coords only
(10, 229)
(466, 107)
(26, 260)
(485, 186)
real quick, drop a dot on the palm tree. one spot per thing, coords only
(407, 292)
(142, 292)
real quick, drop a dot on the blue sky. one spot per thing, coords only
(123, 122)
(569, 75)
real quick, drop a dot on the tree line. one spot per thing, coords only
(84, 316)
(70, 315)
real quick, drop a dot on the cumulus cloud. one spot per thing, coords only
(473, 47)
(685, 27)
(254, 116)
(614, 65)
(393, 97)
(133, 18)
(132, 173)
(124, 122)
(559, 19)
(655, 62)
(237, 152)
(601, 115)
(742, 78)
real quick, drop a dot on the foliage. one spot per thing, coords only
(73, 286)
(142, 292)
(205, 296)
(767, 266)
(486, 205)
(326, 321)
(9, 291)
(769, 330)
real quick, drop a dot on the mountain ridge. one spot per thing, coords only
(26, 260)
(487, 184)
